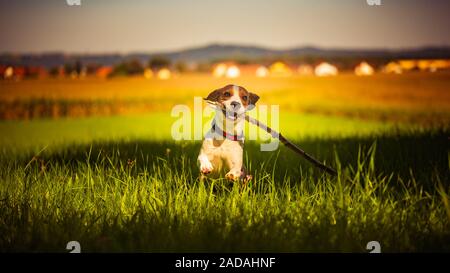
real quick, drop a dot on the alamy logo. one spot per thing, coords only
(373, 2)
(189, 124)
(74, 246)
(374, 247)
(73, 2)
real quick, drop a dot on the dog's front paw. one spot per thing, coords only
(206, 168)
(246, 178)
(233, 175)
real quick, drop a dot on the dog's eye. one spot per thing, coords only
(245, 98)
(227, 94)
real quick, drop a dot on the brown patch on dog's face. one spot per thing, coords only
(222, 94)
(228, 92)
(247, 98)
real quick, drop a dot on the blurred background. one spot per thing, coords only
(387, 64)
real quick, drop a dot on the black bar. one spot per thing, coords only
(243, 262)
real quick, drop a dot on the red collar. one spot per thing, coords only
(233, 137)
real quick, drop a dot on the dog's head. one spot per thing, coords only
(233, 100)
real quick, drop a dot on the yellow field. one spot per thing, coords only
(421, 97)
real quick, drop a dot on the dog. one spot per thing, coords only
(222, 147)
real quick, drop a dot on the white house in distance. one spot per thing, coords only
(233, 72)
(164, 74)
(220, 70)
(228, 70)
(262, 72)
(325, 69)
(364, 69)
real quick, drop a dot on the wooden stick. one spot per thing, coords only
(291, 145)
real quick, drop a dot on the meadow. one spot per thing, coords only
(116, 181)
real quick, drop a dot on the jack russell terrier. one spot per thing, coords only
(222, 148)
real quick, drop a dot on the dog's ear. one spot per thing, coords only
(252, 99)
(214, 95)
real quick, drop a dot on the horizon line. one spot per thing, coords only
(186, 48)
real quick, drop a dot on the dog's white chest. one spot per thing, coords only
(222, 148)
(222, 153)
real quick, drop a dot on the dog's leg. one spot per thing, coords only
(234, 162)
(245, 176)
(206, 166)
(233, 175)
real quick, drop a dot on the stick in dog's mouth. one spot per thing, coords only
(228, 114)
(285, 141)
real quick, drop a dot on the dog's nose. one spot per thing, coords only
(236, 105)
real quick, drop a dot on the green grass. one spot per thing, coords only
(119, 184)
(23, 136)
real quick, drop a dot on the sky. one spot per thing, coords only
(124, 26)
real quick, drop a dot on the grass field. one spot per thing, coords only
(119, 183)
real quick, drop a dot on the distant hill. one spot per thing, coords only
(216, 52)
